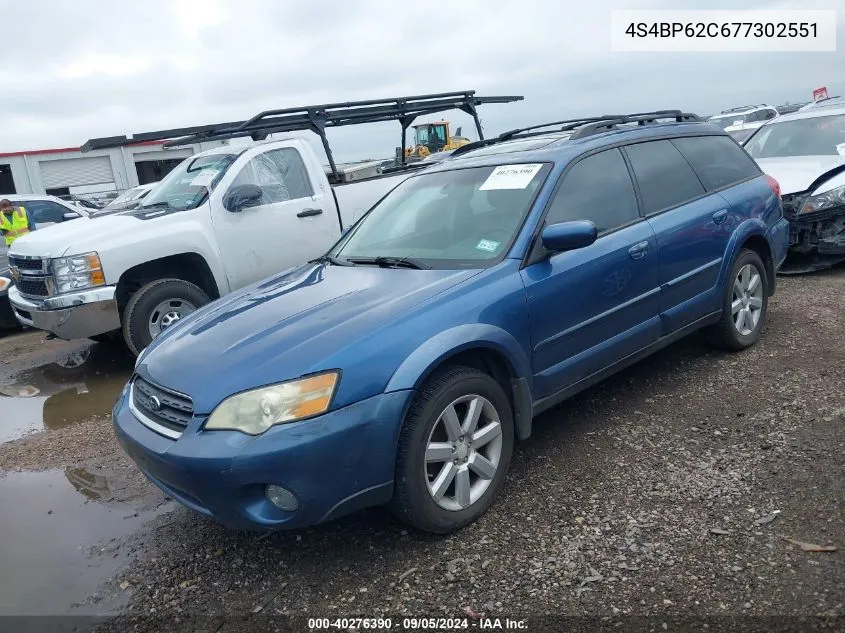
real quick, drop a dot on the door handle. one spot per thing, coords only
(720, 216)
(638, 251)
(307, 213)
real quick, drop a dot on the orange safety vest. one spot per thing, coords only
(19, 225)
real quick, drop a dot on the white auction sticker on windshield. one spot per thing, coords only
(511, 177)
(841, 149)
(487, 245)
(204, 179)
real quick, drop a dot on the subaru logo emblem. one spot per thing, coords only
(155, 403)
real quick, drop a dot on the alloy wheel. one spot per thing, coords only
(747, 299)
(463, 452)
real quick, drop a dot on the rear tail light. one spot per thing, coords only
(774, 184)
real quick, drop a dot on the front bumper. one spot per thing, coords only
(70, 316)
(334, 464)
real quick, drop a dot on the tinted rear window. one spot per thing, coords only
(717, 160)
(665, 178)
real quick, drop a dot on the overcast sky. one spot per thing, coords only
(71, 71)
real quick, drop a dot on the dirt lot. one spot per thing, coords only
(682, 487)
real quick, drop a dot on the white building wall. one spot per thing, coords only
(26, 169)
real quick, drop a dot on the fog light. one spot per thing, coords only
(282, 498)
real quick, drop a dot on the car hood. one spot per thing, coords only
(796, 173)
(285, 327)
(59, 239)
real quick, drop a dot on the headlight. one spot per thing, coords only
(5, 282)
(826, 200)
(78, 272)
(253, 412)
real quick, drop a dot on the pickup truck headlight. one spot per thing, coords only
(826, 200)
(78, 272)
(5, 282)
(253, 412)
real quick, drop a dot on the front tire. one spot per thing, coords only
(744, 304)
(454, 451)
(155, 307)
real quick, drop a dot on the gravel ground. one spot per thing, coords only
(681, 487)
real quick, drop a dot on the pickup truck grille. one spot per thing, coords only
(170, 411)
(28, 265)
(33, 286)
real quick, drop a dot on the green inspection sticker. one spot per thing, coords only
(487, 245)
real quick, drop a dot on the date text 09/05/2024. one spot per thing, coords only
(416, 624)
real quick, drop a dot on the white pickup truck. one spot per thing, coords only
(219, 221)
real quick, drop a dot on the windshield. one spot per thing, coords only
(188, 184)
(126, 196)
(728, 120)
(818, 136)
(464, 218)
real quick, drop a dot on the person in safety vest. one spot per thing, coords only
(14, 222)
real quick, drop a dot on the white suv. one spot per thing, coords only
(741, 122)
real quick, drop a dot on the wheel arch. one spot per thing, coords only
(189, 266)
(751, 234)
(484, 347)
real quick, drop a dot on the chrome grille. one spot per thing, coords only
(36, 265)
(33, 286)
(169, 412)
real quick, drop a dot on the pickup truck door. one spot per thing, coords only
(294, 221)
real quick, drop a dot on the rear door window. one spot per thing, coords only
(597, 188)
(717, 160)
(664, 177)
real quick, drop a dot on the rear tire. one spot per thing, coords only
(745, 302)
(156, 306)
(470, 459)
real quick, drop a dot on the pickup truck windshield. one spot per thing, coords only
(188, 185)
(819, 136)
(463, 218)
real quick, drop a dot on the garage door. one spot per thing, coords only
(73, 172)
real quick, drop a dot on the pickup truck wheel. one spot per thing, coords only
(454, 451)
(155, 307)
(744, 304)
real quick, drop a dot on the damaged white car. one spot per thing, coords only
(805, 153)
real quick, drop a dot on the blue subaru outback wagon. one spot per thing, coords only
(401, 366)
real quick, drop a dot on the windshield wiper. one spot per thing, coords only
(391, 262)
(155, 205)
(329, 259)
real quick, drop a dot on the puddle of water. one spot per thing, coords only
(79, 384)
(52, 536)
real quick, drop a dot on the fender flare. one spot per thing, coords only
(748, 228)
(421, 362)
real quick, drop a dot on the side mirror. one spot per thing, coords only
(568, 236)
(71, 215)
(242, 196)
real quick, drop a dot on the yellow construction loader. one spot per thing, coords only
(430, 138)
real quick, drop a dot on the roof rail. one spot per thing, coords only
(747, 107)
(317, 118)
(640, 118)
(585, 126)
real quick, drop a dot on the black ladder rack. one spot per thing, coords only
(317, 118)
